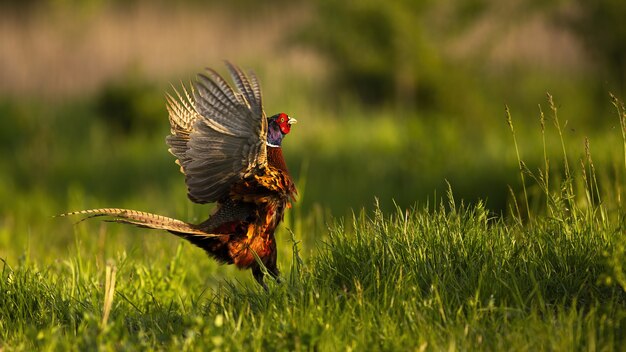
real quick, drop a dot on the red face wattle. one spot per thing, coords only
(284, 123)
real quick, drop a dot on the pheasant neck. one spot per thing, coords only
(275, 159)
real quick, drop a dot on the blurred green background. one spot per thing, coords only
(393, 99)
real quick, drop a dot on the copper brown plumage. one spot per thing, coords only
(230, 154)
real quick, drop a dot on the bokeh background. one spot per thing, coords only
(394, 99)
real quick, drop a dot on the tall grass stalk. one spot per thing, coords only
(621, 114)
(545, 175)
(568, 182)
(519, 163)
(592, 188)
(109, 293)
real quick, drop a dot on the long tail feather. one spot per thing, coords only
(142, 219)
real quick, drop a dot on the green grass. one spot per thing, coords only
(447, 277)
(544, 271)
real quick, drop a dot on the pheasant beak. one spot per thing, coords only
(292, 121)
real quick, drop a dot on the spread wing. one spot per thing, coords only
(218, 133)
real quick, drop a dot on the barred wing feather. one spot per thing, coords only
(218, 134)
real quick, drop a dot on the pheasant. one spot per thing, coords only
(230, 154)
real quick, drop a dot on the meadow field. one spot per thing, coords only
(484, 214)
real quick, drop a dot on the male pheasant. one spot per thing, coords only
(230, 154)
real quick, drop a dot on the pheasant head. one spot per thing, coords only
(278, 126)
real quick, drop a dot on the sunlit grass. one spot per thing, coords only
(440, 276)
